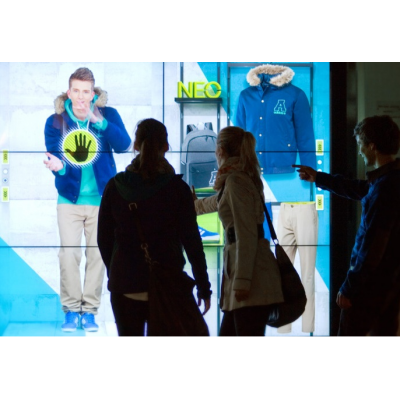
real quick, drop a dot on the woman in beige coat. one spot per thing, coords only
(251, 278)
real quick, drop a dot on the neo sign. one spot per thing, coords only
(196, 90)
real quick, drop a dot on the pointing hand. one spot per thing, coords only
(306, 173)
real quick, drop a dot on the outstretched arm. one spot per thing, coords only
(206, 205)
(53, 163)
(354, 189)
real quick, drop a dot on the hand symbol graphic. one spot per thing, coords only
(82, 152)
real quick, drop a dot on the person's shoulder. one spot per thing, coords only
(240, 180)
(389, 182)
(53, 116)
(177, 181)
(111, 184)
(178, 186)
(176, 190)
(109, 109)
(238, 177)
(54, 120)
(111, 114)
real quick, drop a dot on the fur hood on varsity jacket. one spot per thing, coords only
(279, 75)
(100, 102)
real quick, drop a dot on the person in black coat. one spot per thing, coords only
(168, 219)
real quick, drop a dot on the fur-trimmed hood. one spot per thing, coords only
(284, 75)
(100, 102)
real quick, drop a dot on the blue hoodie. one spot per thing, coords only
(278, 114)
(73, 183)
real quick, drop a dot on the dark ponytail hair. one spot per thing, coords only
(150, 139)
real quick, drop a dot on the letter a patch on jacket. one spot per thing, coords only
(280, 107)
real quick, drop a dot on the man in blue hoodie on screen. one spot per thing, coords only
(80, 139)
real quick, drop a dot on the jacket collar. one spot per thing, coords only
(100, 102)
(280, 75)
(377, 173)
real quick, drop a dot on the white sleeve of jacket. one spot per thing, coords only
(206, 205)
(241, 203)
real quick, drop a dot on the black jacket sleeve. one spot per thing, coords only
(353, 189)
(191, 241)
(105, 227)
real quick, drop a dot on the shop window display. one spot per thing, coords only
(29, 241)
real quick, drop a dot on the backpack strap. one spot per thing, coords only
(271, 227)
(190, 128)
(208, 125)
(59, 123)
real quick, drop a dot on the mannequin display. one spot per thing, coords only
(298, 231)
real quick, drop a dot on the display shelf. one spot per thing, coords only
(186, 100)
(204, 100)
(205, 192)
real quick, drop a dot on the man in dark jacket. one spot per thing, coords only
(370, 295)
(80, 139)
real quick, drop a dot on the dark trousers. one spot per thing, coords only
(130, 315)
(374, 317)
(245, 321)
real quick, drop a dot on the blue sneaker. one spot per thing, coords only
(88, 323)
(71, 322)
(208, 236)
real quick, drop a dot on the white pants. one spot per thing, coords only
(72, 221)
(298, 230)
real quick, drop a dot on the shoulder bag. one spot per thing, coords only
(293, 291)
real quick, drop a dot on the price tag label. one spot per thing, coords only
(5, 194)
(320, 147)
(5, 159)
(320, 202)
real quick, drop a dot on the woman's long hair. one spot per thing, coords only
(236, 142)
(151, 137)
